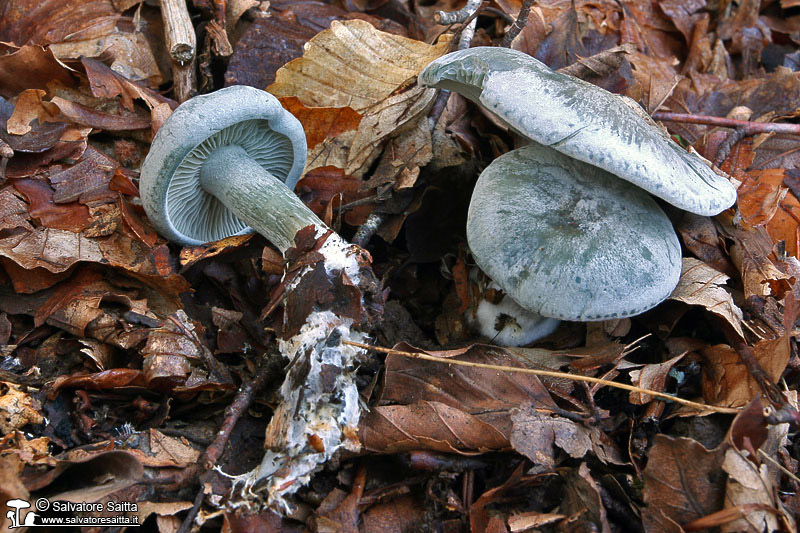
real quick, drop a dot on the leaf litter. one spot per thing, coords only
(121, 352)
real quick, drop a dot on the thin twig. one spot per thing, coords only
(548, 373)
(727, 145)
(240, 404)
(758, 373)
(188, 521)
(777, 465)
(750, 128)
(516, 28)
(368, 228)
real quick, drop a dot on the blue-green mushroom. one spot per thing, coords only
(225, 164)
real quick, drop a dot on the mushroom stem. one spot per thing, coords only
(258, 198)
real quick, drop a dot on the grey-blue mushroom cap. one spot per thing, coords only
(582, 121)
(239, 115)
(568, 240)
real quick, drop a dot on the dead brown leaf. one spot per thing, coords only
(682, 482)
(353, 65)
(726, 380)
(427, 425)
(583, 499)
(652, 377)
(31, 67)
(321, 123)
(703, 286)
(326, 187)
(17, 408)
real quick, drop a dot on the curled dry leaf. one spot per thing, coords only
(726, 380)
(31, 67)
(30, 107)
(535, 434)
(428, 425)
(84, 28)
(584, 500)
(652, 377)
(321, 123)
(703, 286)
(750, 253)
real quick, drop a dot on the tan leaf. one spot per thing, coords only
(352, 64)
(30, 107)
(383, 121)
(726, 380)
(749, 483)
(52, 249)
(17, 408)
(702, 285)
(427, 426)
(652, 377)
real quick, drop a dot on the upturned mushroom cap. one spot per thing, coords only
(583, 121)
(569, 240)
(239, 115)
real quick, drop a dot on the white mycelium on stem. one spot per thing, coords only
(225, 164)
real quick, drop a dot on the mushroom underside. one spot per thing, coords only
(568, 240)
(252, 119)
(583, 121)
(203, 217)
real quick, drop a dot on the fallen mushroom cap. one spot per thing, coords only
(178, 206)
(569, 240)
(583, 121)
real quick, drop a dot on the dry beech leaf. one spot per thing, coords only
(749, 484)
(532, 519)
(583, 498)
(750, 253)
(31, 67)
(53, 249)
(763, 201)
(535, 434)
(702, 285)
(30, 107)
(352, 64)
(427, 426)
(321, 123)
(385, 118)
(726, 380)
(683, 481)
(476, 390)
